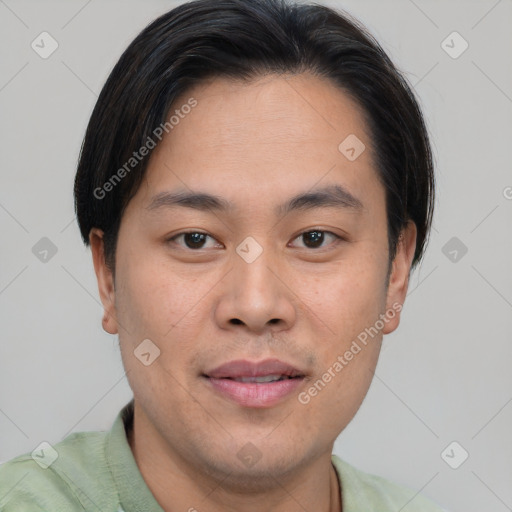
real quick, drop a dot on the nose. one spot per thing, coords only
(256, 295)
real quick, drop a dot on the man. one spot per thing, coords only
(256, 185)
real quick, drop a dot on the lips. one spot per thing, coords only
(255, 384)
(247, 369)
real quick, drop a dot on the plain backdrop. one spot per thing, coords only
(443, 377)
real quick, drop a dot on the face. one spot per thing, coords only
(276, 271)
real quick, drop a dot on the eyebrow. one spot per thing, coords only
(329, 196)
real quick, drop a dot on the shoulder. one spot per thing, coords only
(70, 475)
(373, 493)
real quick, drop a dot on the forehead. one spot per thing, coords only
(274, 135)
(295, 109)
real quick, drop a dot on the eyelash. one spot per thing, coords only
(338, 238)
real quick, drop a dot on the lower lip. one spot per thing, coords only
(252, 394)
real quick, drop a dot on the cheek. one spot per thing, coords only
(167, 306)
(348, 297)
(157, 304)
(156, 299)
(346, 303)
(346, 389)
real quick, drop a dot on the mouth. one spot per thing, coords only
(255, 384)
(263, 379)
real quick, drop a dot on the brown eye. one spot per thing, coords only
(192, 240)
(314, 239)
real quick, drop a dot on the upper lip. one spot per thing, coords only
(244, 368)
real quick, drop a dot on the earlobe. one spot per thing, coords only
(399, 278)
(105, 281)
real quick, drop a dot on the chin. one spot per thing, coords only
(249, 469)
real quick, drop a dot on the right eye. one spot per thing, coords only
(193, 240)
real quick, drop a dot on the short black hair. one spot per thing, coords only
(244, 40)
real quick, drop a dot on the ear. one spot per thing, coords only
(105, 280)
(399, 277)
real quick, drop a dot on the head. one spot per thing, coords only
(255, 183)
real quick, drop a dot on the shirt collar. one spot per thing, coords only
(134, 494)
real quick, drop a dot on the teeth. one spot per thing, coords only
(266, 378)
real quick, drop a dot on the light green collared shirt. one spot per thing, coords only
(96, 471)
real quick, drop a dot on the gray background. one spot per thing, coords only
(444, 376)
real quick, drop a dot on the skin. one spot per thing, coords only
(256, 144)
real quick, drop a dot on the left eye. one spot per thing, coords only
(314, 239)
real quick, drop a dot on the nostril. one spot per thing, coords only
(236, 321)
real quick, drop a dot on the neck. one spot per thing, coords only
(178, 484)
